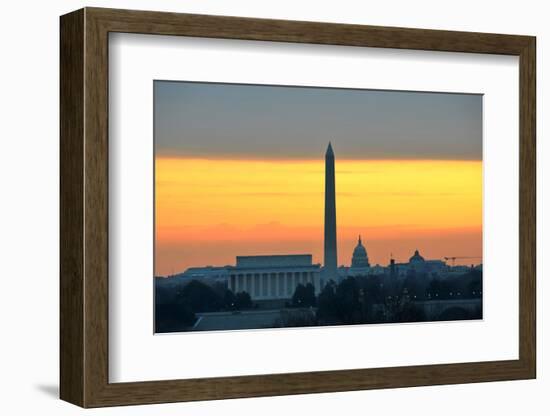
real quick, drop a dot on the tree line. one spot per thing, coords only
(354, 300)
(176, 308)
(377, 299)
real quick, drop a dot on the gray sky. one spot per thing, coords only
(271, 122)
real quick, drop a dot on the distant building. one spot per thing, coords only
(359, 261)
(274, 276)
(436, 267)
(417, 262)
(418, 265)
(207, 274)
(430, 267)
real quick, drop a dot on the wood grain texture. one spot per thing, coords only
(527, 208)
(84, 207)
(71, 201)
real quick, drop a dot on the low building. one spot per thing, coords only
(273, 276)
(436, 267)
(208, 274)
(418, 265)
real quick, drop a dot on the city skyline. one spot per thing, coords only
(213, 205)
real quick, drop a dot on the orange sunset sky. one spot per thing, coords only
(217, 196)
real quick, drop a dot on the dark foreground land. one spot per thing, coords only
(195, 306)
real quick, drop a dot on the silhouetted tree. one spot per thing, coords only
(173, 317)
(373, 288)
(326, 304)
(229, 300)
(243, 301)
(199, 297)
(309, 295)
(219, 287)
(347, 301)
(299, 295)
(304, 295)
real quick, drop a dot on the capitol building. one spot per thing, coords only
(360, 266)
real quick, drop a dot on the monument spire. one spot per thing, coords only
(330, 270)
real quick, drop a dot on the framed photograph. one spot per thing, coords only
(255, 207)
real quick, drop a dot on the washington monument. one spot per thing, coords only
(331, 262)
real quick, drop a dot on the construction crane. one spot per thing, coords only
(453, 258)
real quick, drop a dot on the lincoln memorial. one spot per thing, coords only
(273, 277)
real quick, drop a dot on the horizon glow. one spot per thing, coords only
(239, 170)
(208, 212)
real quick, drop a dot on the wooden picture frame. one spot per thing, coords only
(84, 207)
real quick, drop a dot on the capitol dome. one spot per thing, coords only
(416, 258)
(360, 258)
